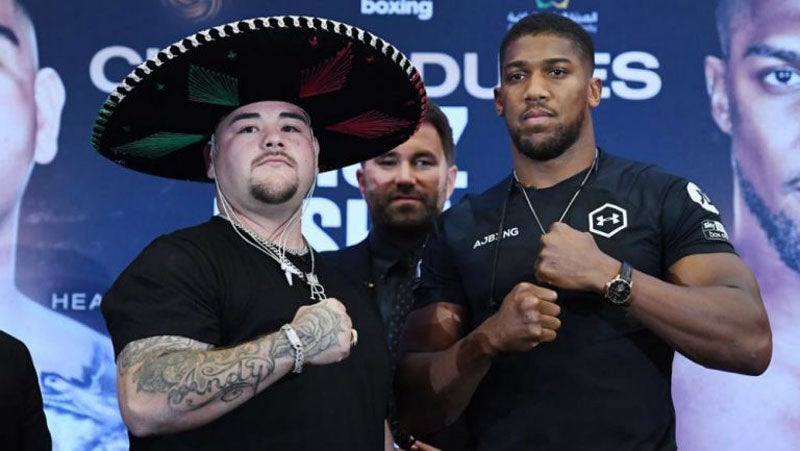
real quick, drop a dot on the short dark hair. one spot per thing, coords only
(729, 15)
(552, 24)
(438, 119)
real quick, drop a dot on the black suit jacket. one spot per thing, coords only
(355, 263)
(22, 422)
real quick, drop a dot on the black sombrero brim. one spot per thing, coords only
(363, 96)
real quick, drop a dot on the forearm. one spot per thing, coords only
(163, 389)
(436, 387)
(717, 326)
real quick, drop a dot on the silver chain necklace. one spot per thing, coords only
(271, 249)
(571, 201)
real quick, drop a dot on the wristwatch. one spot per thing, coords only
(618, 289)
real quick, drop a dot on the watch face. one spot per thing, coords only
(619, 291)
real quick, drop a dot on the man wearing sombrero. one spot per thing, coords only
(233, 334)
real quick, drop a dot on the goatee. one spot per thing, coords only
(420, 217)
(564, 137)
(273, 196)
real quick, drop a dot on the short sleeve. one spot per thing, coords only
(169, 289)
(691, 223)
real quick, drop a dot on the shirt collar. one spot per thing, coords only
(385, 253)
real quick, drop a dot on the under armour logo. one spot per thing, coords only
(601, 221)
(608, 220)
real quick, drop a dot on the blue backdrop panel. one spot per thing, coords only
(83, 219)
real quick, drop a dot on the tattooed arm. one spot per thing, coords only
(171, 383)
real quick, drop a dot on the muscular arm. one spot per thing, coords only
(708, 307)
(170, 383)
(443, 367)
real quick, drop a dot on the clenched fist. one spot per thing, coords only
(325, 330)
(570, 259)
(526, 318)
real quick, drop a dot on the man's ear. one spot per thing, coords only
(498, 102)
(717, 88)
(315, 145)
(49, 96)
(452, 172)
(208, 156)
(595, 92)
(360, 178)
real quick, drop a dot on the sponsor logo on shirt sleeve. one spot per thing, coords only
(714, 230)
(697, 195)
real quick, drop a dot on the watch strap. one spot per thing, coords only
(624, 279)
(626, 272)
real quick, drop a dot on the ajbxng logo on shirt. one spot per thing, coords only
(492, 237)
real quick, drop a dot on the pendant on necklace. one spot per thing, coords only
(288, 271)
(317, 291)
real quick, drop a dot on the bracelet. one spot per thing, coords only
(297, 345)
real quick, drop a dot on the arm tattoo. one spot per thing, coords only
(193, 375)
(318, 329)
(138, 351)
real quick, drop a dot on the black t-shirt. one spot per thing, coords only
(22, 422)
(207, 284)
(604, 383)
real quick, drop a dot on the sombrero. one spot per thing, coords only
(363, 95)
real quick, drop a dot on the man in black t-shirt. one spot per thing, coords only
(233, 334)
(550, 306)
